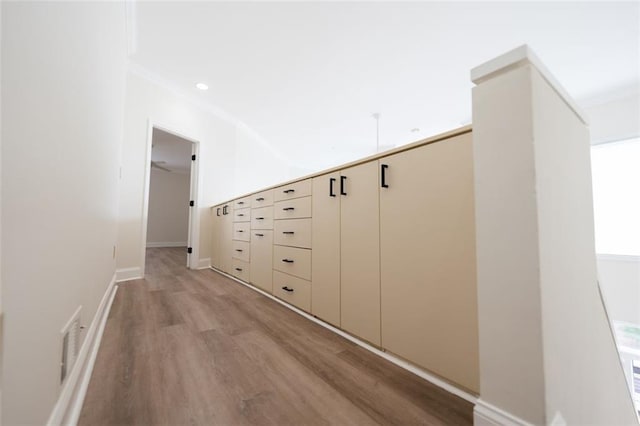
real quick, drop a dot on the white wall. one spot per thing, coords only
(619, 278)
(547, 354)
(232, 161)
(63, 85)
(168, 224)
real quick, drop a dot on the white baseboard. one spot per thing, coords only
(389, 357)
(204, 263)
(485, 414)
(169, 244)
(127, 274)
(69, 404)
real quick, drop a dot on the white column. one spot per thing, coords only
(547, 353)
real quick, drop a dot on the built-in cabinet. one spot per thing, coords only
(383, 249)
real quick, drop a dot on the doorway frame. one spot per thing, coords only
(193, 236)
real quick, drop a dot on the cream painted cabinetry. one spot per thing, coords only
(226, 233)
(428, 263)
(360, 251)
(383, 249)
(216, 236)
(262, 240)
(325, 256)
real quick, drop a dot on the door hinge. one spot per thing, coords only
(193, 157)
(192, 203)
(189, 250)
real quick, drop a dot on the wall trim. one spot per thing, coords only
(618, 257)
(485, 414)
(204, 263)
(69, 404)
(127, 274)
(386, 355)
(167, 244)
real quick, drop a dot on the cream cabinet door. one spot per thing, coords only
(262, 259)
(216, 236)
(325, 253)
(428, 262)
(226, 241)
(360, 251)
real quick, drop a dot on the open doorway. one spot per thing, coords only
(170, 200)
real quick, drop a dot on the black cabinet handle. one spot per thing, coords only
(259, 235)
(240, 230)
(239, 269)
(260, 199)
(288, 232)
(285, 288)
(240, 214)
(383, 175)
(289, 191)
(240, 202)
(331, 180)
(259, 218)
(239, 250)
(218, 211)
(342, 180)
(287, 260)
(288, 208)
(224, 210)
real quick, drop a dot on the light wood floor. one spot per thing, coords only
(186, 347)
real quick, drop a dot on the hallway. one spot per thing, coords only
(194, 347)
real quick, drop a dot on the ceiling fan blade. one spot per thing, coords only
(156, 166)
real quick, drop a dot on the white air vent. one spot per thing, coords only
(70, 344)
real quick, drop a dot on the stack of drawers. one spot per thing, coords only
(262, 240)
(241, 247)
(292, 244)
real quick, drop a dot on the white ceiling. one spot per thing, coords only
(307, 77)
(171, 152)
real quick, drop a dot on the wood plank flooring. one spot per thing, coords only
(185, 347)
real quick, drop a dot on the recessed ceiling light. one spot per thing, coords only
(202, 86)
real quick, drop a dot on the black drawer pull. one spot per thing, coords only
(218, 211)
(288, 232)
(287, 260)
(259, 218)
(383, 175)
(259, 235)
(289, 191)
(240, 230)
(239, 250)
(331, 193)
(240, 214)
(285, 288)
(342, 190)
(240, 202)
(260, 199)
(224, 210)
(288, 208)
(239, 269)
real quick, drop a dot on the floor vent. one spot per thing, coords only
(70, 344)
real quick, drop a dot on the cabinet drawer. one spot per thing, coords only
(264, 198)
(242, 215)
(292, 232)
(293, 261)
(294, 190)
(242, 231)
(292, 290)
(241, 269)
(262, 218)
(241, 250)
(242, 203)
(292, 209)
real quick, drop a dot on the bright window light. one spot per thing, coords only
(616, 197)
(202, 86)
